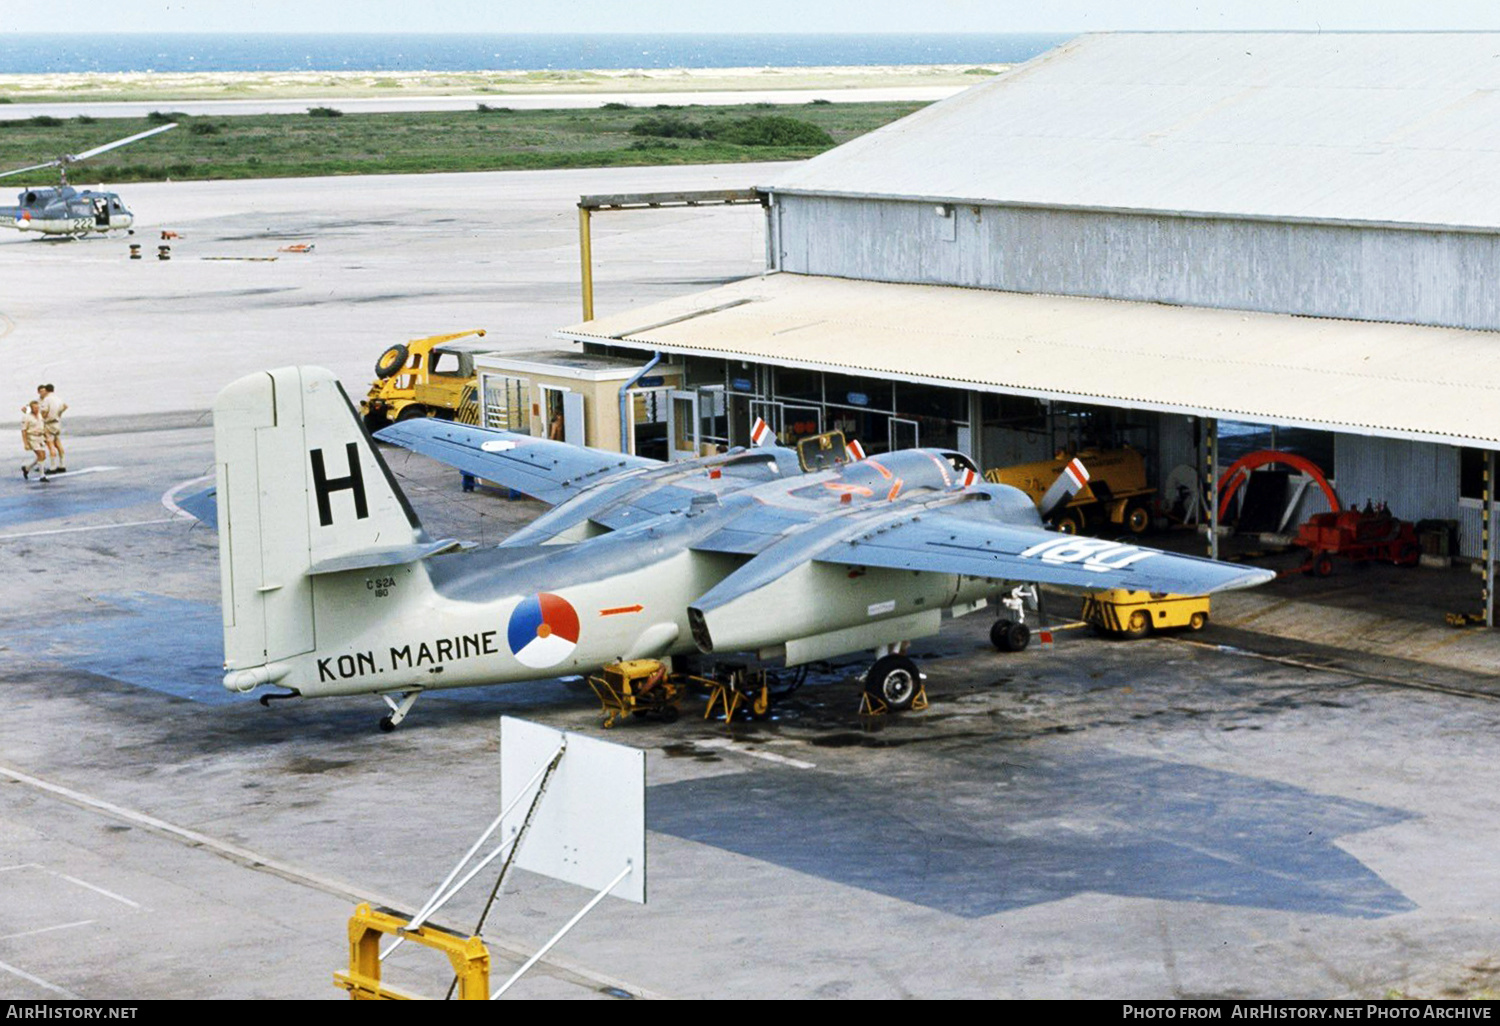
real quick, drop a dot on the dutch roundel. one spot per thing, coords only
(543, 631)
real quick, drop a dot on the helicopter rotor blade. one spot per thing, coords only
(73, 158)
(34, 167)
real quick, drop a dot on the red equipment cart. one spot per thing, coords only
(1357, 535)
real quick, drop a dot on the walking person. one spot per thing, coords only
(52, 410)
(34, 439)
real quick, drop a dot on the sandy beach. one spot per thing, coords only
(152, 86)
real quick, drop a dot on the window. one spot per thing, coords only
(1471, 463)
(506, 403)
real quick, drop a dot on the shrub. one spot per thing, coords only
(820, 102)
(485, 108)
(777, 130)
(44, 121)
(616, 105)
(203, 128)
(157, 117)
(84, 119)
(669, 126)
(324, 112)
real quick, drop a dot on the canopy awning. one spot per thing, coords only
(1393, 380)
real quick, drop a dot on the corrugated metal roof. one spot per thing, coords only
(1396, 380)
(1399, 128)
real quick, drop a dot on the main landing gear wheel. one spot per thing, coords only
(1009, 636)
(391, 361)
(895, 680)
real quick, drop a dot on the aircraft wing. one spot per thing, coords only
(543, 469)
(945, 542)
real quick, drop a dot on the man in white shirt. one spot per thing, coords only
(52, 410)
(34, 439)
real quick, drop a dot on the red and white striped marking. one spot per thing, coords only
(968, 478)
(760, 433)
(855, 450)
(1077, 473)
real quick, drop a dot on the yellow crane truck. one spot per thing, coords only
(1116, 493)
(426, 377)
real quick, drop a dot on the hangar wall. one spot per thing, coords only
(1418, 479)
(1367, 273)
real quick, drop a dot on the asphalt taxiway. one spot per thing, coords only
(1226, 815)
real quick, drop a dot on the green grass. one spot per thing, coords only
(298, 145)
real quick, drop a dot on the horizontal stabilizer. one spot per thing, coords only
(203, 504)
(367, 559)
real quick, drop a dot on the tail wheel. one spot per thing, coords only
(391, 361)
(895, 680)
(1139, 625)
(1137, 518)
(1197, 621)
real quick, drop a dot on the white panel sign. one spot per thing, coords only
(592, 820)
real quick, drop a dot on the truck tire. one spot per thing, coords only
(391, 361)
(411, 412)
(1137, 518)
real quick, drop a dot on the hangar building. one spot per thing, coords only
(1281, 240)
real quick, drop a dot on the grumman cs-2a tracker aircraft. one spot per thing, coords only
(331, 587)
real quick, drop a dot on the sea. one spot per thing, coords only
(54, 53)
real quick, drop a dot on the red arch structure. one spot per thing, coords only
(1239, 472)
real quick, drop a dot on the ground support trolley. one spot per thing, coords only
(1123, 613)
(637, 687)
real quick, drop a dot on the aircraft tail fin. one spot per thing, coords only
(301, 490)
(1068, 484)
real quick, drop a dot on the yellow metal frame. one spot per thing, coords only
(619, 701)
(468, 955)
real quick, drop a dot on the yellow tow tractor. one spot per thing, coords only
(426, 377)
(1123, 613)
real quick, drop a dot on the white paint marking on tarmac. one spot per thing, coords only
(22, 865)
(68, 475)
(564, 968)
(169, 497)
(724, 742)
(94, 527)
(38, 981)
(96, 890)
(48, 929)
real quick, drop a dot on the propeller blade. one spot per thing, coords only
(34, 167)
(1068, 484)
(119, 142)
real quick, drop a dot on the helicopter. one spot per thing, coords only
(64, 211)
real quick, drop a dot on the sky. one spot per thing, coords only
(818, 16)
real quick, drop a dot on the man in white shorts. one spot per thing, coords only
(52, 410)
(34, 438)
